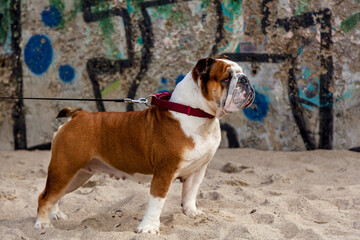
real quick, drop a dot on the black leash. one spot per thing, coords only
(125, 100)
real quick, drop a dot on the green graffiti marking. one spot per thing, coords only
(231, 10)
(350, 23)
(66, 17)
(140, 41)
(60, 6)
(77, 6)
(109, 88)
(5, 21)
(177, 18)
(302, 7)
(300, 50)
(106, 29)
(133, 7)
(205, 3)
(130, 9)
(164, 11)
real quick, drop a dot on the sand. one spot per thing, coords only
(246, 194)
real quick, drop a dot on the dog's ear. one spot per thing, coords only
(223, 57)
(202, 67)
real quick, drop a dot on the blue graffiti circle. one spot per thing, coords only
(164, 80)
(66, 73)
(51, 16)
(179, 79)
(259, 108)
(38, 54)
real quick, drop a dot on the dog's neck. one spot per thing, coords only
(188, 92)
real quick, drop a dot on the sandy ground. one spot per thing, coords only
(246, 194)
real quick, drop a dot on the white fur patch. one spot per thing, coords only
(205, 132)
(151, 220)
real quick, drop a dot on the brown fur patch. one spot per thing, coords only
(202, 68)
(69, 112)
(210, 72)
(147, 142)
(211, 82)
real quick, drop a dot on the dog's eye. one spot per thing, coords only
(227, 80)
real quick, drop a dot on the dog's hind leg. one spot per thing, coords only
(81, 177)
(58, 181)
(56, 214)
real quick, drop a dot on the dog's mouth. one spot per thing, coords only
(250, 100)
(239, 95)
(238, 98)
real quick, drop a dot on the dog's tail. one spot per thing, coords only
(69, 112)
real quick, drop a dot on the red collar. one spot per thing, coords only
(162, 100)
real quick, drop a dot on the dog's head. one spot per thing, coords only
(223, 83)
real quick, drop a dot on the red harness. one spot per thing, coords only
(162, 100)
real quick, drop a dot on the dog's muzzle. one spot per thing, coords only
(240, 94)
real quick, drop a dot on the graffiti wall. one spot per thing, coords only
(302, 57)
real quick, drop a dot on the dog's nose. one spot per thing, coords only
(243, 79)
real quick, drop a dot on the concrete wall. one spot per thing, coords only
(302, 57)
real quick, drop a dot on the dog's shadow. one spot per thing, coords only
(108, 218)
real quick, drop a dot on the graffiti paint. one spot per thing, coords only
(77, 5)
(231, 10)
(38, 54)
(109, 88)
(98, 66)
(59, 5)
(308, 20)
(107, 29)
(134, 7)
(18, 110)
(4, 21)
(178, 18)
(164, 86)
(51, 17)
(304, 91)
(302, 7)
(350, 23)
(66, 73)
(259, 109)
(179, 79)
(308, 89)
(205, 3)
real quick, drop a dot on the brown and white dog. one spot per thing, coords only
(163, 144)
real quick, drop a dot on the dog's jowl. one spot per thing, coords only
(160, 143)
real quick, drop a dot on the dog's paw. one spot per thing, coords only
(39, 225)
(58, 215)
(148, 227)
(191, 211)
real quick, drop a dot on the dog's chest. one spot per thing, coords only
(206, 139)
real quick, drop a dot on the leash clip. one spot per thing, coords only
(140, 100)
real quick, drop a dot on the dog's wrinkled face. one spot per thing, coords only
(223, 82)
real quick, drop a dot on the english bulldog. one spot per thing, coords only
(158, 142)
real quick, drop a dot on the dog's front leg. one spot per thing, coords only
(160, 185)
(151, 219)
(190, 188)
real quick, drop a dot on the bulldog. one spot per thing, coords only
(161, 143)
